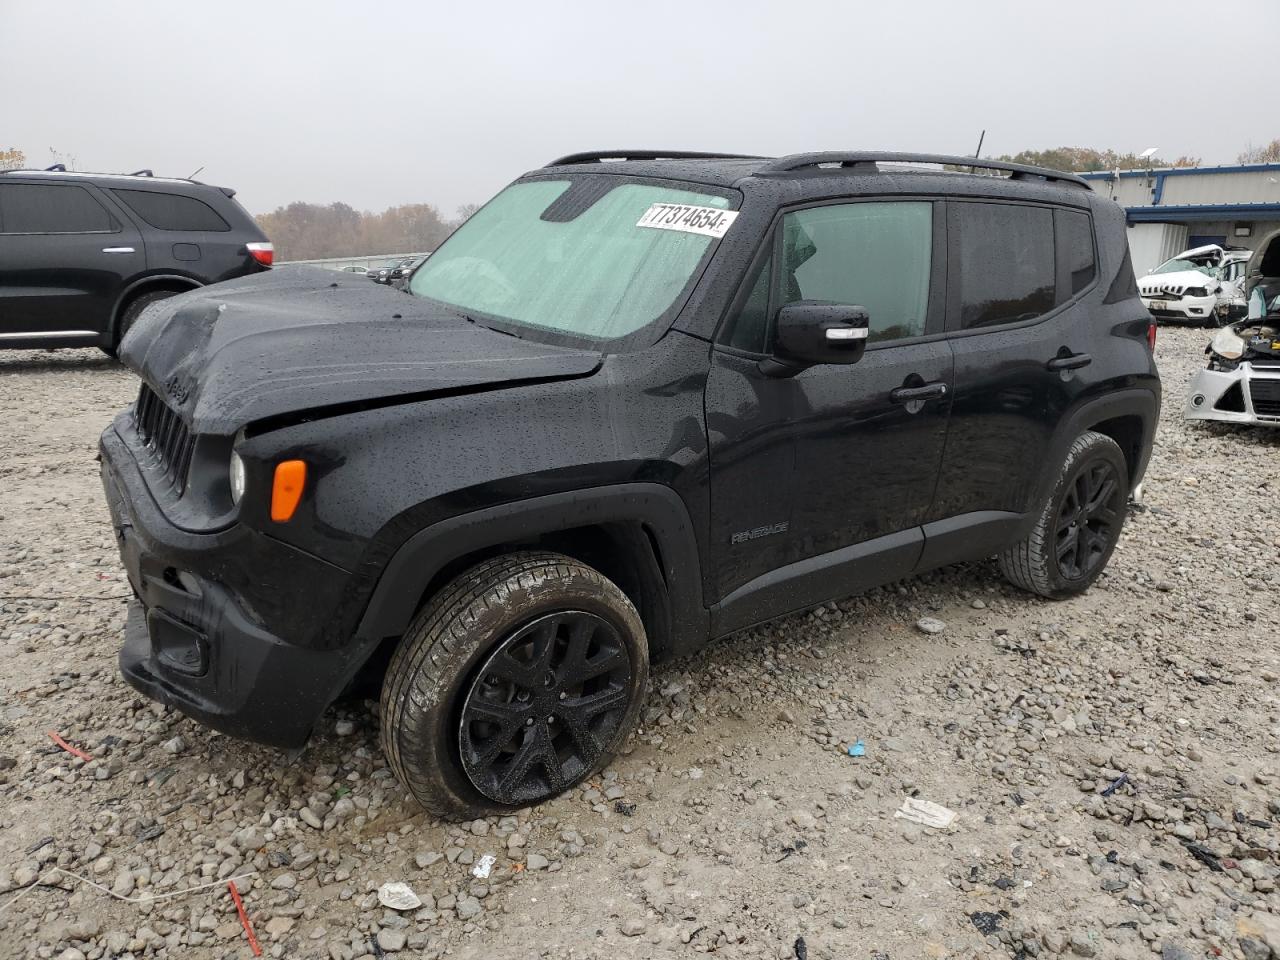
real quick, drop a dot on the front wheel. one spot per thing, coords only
(1078, 525)
(516, 682)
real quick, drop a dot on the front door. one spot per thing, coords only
(820, 481)
(63, 261)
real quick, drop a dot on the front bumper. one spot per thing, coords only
(1182, 310)
(1247, 394)
(223, 624)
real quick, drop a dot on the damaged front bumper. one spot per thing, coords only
(238, 653)
(1249, 393)
(1183, 309)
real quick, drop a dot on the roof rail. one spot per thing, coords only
(866, 162)
(595, 156)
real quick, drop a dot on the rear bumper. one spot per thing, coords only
(1247, 394)
(198, 640)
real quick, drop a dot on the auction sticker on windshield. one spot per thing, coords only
(708, 221)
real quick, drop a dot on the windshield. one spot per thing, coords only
(1177, 266)
(568, 256)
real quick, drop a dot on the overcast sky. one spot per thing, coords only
(381, 104)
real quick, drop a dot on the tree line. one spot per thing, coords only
(312, 231)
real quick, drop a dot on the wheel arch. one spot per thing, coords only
(1129, 417)
(176, 282)
(638, 535)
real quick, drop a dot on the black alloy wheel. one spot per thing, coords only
(1089, 519)
(544, 707)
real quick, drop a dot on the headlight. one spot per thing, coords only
(1226, 344)
(1195, 292)
(237, 477)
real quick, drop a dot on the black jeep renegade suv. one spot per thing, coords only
(82, 254)
(638, 401)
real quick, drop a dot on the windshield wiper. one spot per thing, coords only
(470, 319)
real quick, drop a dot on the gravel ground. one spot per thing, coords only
(1111, 759)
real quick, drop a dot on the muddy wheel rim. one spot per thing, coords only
(1088, 519)
(544, 706)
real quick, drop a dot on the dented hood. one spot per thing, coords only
(303, 339)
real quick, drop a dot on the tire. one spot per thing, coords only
(133, 309)
(1078, 525)
(494, 670)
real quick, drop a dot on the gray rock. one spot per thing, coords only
(1082, 945)
(392, 941)
(930, 625)
(468, 908)
(632, 927)
(175, 746)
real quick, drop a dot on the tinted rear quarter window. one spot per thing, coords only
(172, 211)
(1006, 254)
(1075, 246)
(51, 208)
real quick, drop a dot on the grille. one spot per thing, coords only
(165, 436)
(1266, 397)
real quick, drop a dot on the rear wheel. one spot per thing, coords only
(133, 309)
(1078, 525)
(519, 680)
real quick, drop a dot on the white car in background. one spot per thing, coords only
(1203, 285)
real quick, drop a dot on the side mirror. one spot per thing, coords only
(810, 332)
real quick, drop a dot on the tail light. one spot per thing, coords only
(1151, 335)
(263, 252)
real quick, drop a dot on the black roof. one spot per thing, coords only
(728, 169)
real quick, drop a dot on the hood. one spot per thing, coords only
(1155, 284)
(304, 339)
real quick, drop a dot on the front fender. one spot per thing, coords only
(658, 508)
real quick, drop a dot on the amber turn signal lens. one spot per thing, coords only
(286, 488)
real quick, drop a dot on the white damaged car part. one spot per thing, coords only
(1241, 383)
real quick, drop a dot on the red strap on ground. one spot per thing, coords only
(244, 921)
(74, 751)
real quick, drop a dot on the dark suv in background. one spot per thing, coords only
(626, 408)
(81, 254)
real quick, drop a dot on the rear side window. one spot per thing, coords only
(1075, 247)
(51, 208)
(172, 211)
(1006, 262)
(873, 255)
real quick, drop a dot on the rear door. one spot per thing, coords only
(835, 465)
(1020, 338)
(188, 236)
(64, 259)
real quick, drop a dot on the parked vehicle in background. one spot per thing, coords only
(1203, 285)
(394, 271)
(82, 254)
(1241, 383)
(406, 272)
(356, 269)
(632, 404)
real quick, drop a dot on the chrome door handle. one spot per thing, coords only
(118, 250)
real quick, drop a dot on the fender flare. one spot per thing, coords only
(658, 508)
(1134, 401)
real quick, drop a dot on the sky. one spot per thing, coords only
(444, 103)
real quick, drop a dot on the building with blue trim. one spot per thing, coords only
(1170, 210)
